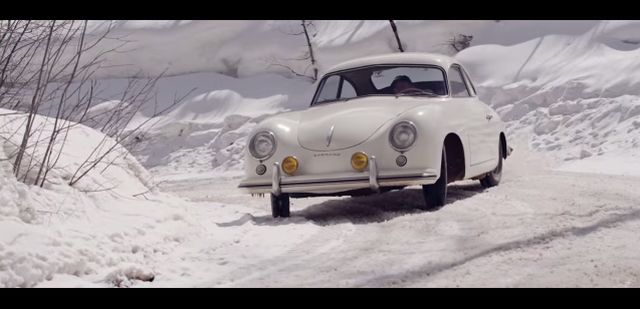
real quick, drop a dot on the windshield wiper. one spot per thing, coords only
(332, 101)
(428, 94)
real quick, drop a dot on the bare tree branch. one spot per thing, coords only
(395, 33)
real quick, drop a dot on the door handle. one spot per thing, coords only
(489, 116)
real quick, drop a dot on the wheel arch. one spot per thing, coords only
(503, 145)
(456, 160)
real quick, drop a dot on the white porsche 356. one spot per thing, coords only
(376, 124)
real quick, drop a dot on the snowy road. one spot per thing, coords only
(537, 228)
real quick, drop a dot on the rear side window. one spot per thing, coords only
(458, 86)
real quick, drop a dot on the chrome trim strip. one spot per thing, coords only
(330, 135)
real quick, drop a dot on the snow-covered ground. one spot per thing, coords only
(539, 228)
(565, 214)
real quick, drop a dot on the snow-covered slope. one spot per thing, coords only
(566, 87)
(59, 228)
(204, 135)
(573, 96)
(116, 171)
(246, 48)
(112, 229)
(206, 131)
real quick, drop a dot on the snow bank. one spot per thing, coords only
(575, 97)
(206, 131)
(118, 171)
(204, 135)
(60, 229)
(63, 237)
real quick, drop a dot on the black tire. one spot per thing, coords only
(280, 206)
(492, 178)
(435, 194)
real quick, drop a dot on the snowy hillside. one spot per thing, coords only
(572, 96)
(205, 134)
(247, 48)
(566, 87)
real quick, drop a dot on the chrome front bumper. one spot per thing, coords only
(324, 184)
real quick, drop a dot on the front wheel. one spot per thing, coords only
(436, 194)
(280, 206)
(492, 178)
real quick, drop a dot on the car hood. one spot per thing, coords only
(341, 125)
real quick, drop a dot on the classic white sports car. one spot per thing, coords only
(376, 124)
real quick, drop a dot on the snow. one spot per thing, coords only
(205, 134)
(248, 48)
(625, 164)
(61, 235)
(574, 97)
(564, 223)
(56, 228)
(207, 131)
(124, 177)
(568, 91)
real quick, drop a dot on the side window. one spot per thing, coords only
(458, 86)
(469, 82)
(329, 89)
(347, 90)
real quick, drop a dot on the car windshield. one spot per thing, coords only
(382, 80)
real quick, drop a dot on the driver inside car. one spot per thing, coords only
(402, 83)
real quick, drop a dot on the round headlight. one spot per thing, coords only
(262, 145)
(403, 135)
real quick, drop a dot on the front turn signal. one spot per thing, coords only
(290, 165)
(359, 161)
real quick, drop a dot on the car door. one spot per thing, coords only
(478, 120)
(493, 124)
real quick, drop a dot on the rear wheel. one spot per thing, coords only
(280, 206)
(436, 194)
(492, 178)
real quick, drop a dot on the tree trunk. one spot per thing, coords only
(313, 59)
(395, 32)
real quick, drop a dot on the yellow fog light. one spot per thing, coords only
(359, 161)
(290, 165)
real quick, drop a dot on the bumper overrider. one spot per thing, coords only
(333, 183)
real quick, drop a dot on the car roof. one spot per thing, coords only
(396, 58)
